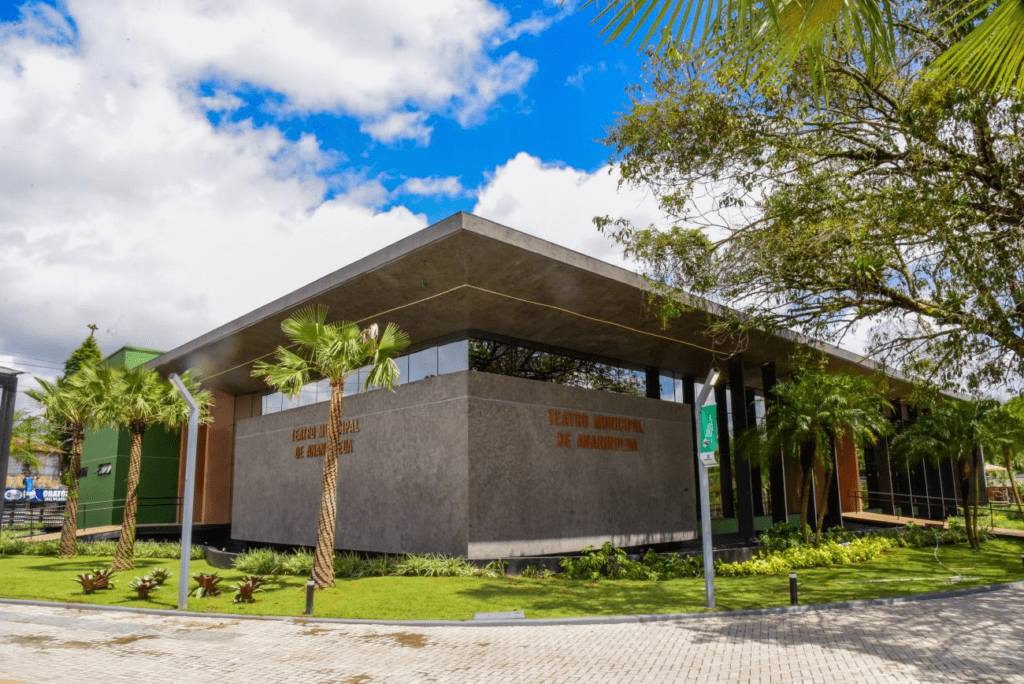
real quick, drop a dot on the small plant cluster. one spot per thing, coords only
(829, 553)
(15, 546)
(95, 580)
(144, 586)
(207, 584)
(300, 563)
(249, 585)
(609, 562)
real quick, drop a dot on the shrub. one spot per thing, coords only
(300, 563)
(607, 561)
(780, 536)
(346, 565)
(259, 562)
(144, 586)
(493, 570)
(207, 585)
(380, 566)
(432, 565)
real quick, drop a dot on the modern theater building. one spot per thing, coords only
(542, 408)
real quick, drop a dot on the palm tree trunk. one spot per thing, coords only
(124, 557)
(805, 495)
(69, 528)
(323, 562)
(1008, 464)
(965, 495)
(823, 506)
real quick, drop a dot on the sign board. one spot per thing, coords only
(708, 434)
(35, 495)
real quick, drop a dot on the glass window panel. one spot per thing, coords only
(289, 403)
(452, 358)
(308, 395)
(323, 390)
(403, 369)
(423, 364)
(668, 389)
(272, 403)
(352, 385)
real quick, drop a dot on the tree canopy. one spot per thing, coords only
(982, 41)
(897, 202)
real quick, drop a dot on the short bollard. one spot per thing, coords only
(309, 597)
(792, 589)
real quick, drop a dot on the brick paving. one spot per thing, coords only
(975, 638)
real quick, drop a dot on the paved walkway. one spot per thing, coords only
(976, 638)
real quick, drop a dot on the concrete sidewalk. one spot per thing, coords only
(967, 638)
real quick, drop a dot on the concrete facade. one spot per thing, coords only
(476, 465)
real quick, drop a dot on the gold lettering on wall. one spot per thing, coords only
(578, 419)
(320, 432)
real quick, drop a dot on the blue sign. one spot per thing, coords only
(39, 495)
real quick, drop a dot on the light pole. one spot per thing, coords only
(9, 387)
(706, 445)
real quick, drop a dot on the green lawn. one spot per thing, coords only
(899, 573)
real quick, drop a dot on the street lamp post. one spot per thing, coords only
(9, 387)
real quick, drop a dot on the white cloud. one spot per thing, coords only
(576, 80)
(121, 204)
(432, 186)
(365, 58)
(397, 126)
(558, 203)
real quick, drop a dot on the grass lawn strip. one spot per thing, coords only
(901, 572)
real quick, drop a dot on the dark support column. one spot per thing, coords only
(950, 482)
(744, 493)
(834, 510)
(756, 483)
(690, 398)
(777, 472)
(934, 480)
(9, 387)
(806, 459)
(653, 383)
(900, 475)
(886, 478)
(871, 473)
(724, 452)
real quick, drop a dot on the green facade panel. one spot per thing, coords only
(101, 497)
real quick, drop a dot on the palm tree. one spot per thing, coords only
(75, 402)
(332, 351)
(1008, 438)
(811, 411)
(139, 398)
(956, 430)
(985, 37)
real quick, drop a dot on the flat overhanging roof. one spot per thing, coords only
(468, 273)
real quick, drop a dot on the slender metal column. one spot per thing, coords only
(9, 386)
(725, 452)
(744, 493)
(190, 491)
(777, 473)
(756, 483)
(689, 397)
(834, 511)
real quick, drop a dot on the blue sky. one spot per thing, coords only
(159, 160)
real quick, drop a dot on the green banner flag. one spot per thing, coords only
(708, 429)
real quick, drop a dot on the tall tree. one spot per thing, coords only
(139, 399)
(75, 401)
(28, 437)
(896, 205)
(87, 353)
(1009, 443)
(331, 351)
(956, 430)
(815, 409)
(981, 39)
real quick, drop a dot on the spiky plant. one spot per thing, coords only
(332, 351)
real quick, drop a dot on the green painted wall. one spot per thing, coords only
(101, 497)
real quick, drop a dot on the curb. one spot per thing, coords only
(534, 622)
